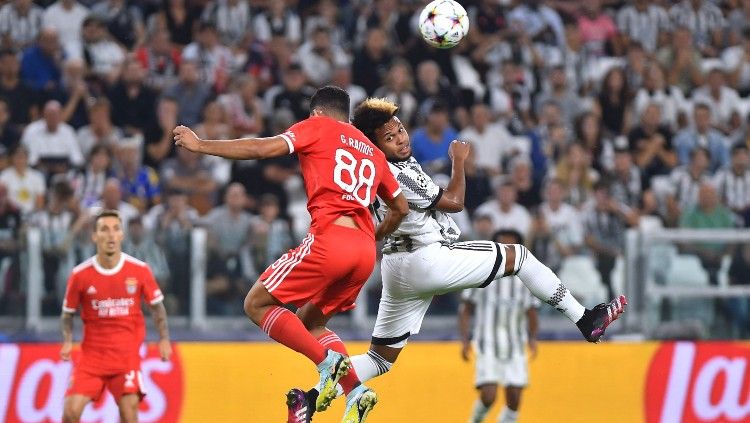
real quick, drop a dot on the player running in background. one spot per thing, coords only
(506, 321)
(343, 173)
(422, 258)
(108, 289)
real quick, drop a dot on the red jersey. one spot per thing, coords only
(343, 171)
(110, 302)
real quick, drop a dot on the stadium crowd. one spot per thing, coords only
(585, 117)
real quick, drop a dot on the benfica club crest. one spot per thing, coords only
(131, 285)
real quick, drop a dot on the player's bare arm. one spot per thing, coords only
(159, 313)
(452, 200)
(398, 208)
(532, 317)
(66, 328)
(465, 311)
(239, 149)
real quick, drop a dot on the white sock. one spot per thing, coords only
(480, 410)
(369, 365)
(545, 285)
(507, 416)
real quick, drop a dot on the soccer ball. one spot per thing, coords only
(443, 23)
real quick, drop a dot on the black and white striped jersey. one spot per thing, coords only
(733, 188)
(500, 323)
(424, 225)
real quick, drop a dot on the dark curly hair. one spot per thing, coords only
(373, 113)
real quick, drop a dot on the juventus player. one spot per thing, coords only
(422, 258)
(506, 321)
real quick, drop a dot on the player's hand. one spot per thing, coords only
(533, 348)
(67, 347)
(466, 351)
(459, 150)
(186, 138)
(165, 349)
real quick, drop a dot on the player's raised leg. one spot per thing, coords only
(73, 407)
(128, 407)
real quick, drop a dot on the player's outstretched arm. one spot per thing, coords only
(398, 208)
(239, 149)
(465, 311)
(66, 328)
(159, 313)
(452, 200)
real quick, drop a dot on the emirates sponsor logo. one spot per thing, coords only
(113, 307)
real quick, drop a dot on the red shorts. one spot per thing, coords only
(92, 385)
(327, 269)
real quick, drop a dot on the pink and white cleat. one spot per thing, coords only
(595, 321)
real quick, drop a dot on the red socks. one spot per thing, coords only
(332, 341)
(284, 327)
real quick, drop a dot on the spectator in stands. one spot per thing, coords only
(430, 142)
(66, 17)
(214, 127)
(189, 173)
(139, 183)
(278, 21)
(103, 56)
(626, 184)
(736, 60)
(685, 183)
(179, 18)
(9, 134)
(73, 93)
(478, 187)
(342, 77)
(271, 235)
(708, 213)
(643, 22)
(160, 58)
(319, 57)
(738, 309)
(124, 21)
(231, 19)
(190, 93)
(41, 64)
(112, 200)
(132, 101)
(229, 263)
(20, 23)
(510, 101)
(557, 89)
(159, 144)
(614, 102)
(294, 95)
(26, 186)
(704, 20)
(50, 139)
(605, 221)
(25, 102)
(173, 222)
(557, 227)
(670, 99)
(371, 62)
(721, 99)
(598, 31)
(575, 171)
(399, 88)
(682, 60)
(528, 190)
(588, 131)
(704, 136)
(215, 60)
(89, 184)
(491, 143)
(733, 184)
(140, 244)
(541, 23)
(504, 210)
(100, 130)
(326, 13)
(651, 144)
(11, 226)
(242, 109)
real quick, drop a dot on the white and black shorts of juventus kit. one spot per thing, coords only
(411, 279)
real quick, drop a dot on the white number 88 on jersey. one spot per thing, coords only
(361, 174)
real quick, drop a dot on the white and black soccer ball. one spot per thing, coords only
(443, 23)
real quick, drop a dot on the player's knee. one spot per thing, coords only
(515, 255)
(487, 395)
(513, 398)
(71, 413)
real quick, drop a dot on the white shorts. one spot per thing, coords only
(411, 279)
(490, 370)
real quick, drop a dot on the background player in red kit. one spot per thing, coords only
(343, 173)
(108, 289)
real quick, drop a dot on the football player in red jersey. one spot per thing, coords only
(108, 289)
(343, 172)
